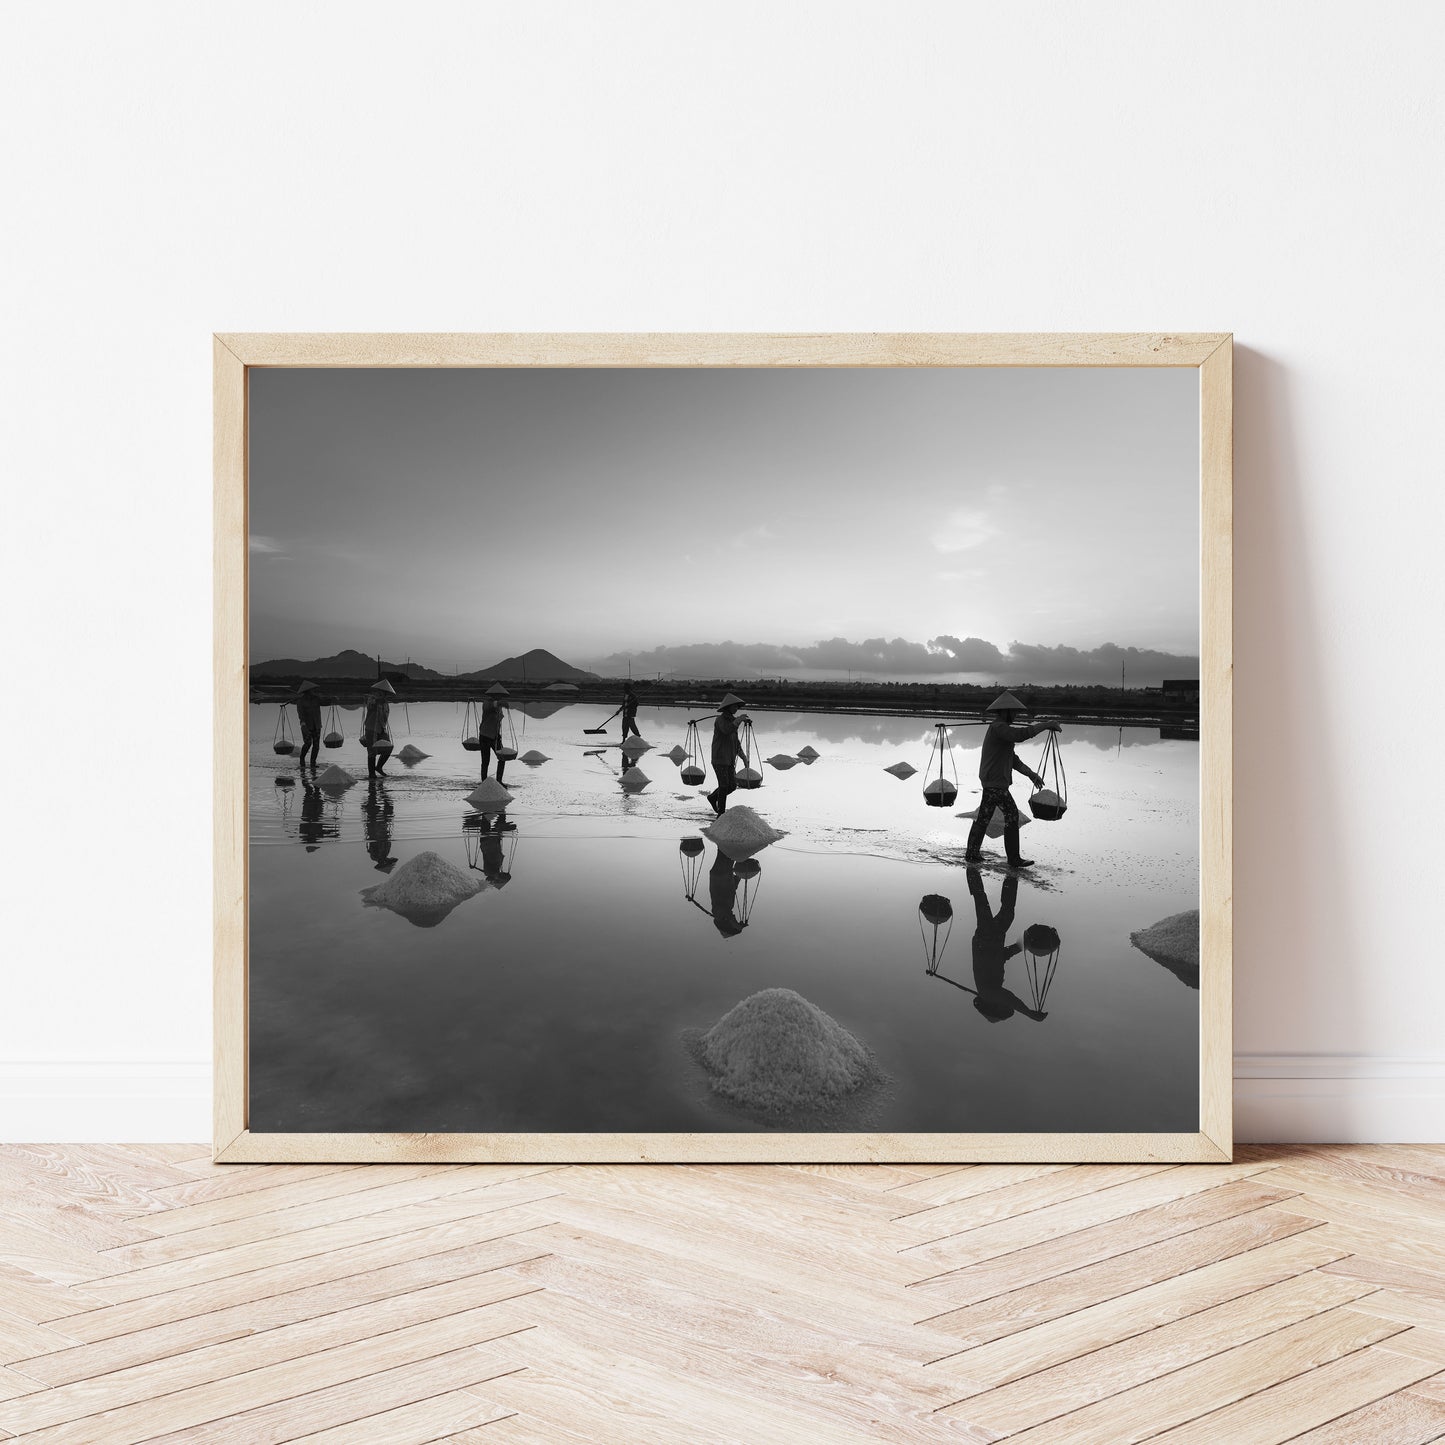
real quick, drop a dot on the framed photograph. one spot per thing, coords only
(723, 748)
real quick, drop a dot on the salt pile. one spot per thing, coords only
(335, 776)
(423, 890)
(740, 833)
(778, 1055)
(634, 747)
(995, 827)
(901, 770)
(489, 796)
(533, 757)
(782, 761)
(807, 754)
(412, 754)
(634, 780)
(678, 753)
(1174, 942)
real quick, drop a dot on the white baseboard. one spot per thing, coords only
(1278, 1098)
(1339, 1099)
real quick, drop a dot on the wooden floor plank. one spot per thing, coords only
(1137, 1312)
(108, 1322)
(147, 1293)
(1398, 1419)
(190, 1408)
(1281, 1412)
(194, 1332)
(1115, 1368)
(471, 1296)
(1185, 1395)
(355, 1403)
(967, 1284)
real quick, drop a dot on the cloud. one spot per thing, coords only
(943, 655)
(964, 529)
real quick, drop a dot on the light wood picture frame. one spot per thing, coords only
(237, 357)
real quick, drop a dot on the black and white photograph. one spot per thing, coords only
(718, 750)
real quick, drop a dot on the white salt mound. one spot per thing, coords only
(777, 1053)
(901, 770)
(995, 827)
(489, 796)
(335, 777)
(740, 832)
(412, 754)
(634, 747)
(808, 752)
(534, 757)
(678, 754)
(634, 780)
(783, 761)
(1174, 942)
(424, 889)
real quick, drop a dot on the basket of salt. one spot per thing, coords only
(283, 746)
(505, 755)
(1049, 804)
(692, 775)
(749, 778)
(333, 740)
(940, 793)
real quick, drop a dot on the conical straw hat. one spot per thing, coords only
(497, 690)
(306, 687)
(732, 700)
(1005, 702)
(382, 686)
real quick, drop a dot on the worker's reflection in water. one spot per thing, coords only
(722, 887)
(992, 951)
(313, 826)
(377, 811)
(492, 855)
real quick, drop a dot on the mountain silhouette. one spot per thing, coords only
(538, 665)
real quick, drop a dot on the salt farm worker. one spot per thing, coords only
(376, 727)
(308, 714)
(997, 764)
(629, 711)
(489, 731)
(992, 951)
(727, 752)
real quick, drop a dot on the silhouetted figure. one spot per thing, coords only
(377, 811)
(312, 826)
(489, 731)
(992, 951)
(996, 766)
(727, 752)
(308, 715)
(722, 888)
(629, 712)
(376, 727)
(493, 857)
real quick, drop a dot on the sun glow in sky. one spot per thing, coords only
(455, 517)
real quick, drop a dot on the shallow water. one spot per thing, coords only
(556, 999)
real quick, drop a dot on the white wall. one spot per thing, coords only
(174, 169)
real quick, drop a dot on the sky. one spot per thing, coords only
(903, 522)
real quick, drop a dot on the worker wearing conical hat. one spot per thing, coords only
(489, 729)
(997, 764)
(376, 727)
(308, 714)
(727, 752)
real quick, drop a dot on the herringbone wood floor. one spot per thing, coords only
(147, 1294)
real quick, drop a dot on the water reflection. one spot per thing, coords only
(491, 842)
(377, 814)
(732, 888)
(992, 951)
(315, 824)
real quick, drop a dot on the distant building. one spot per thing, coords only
(1181, 689)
